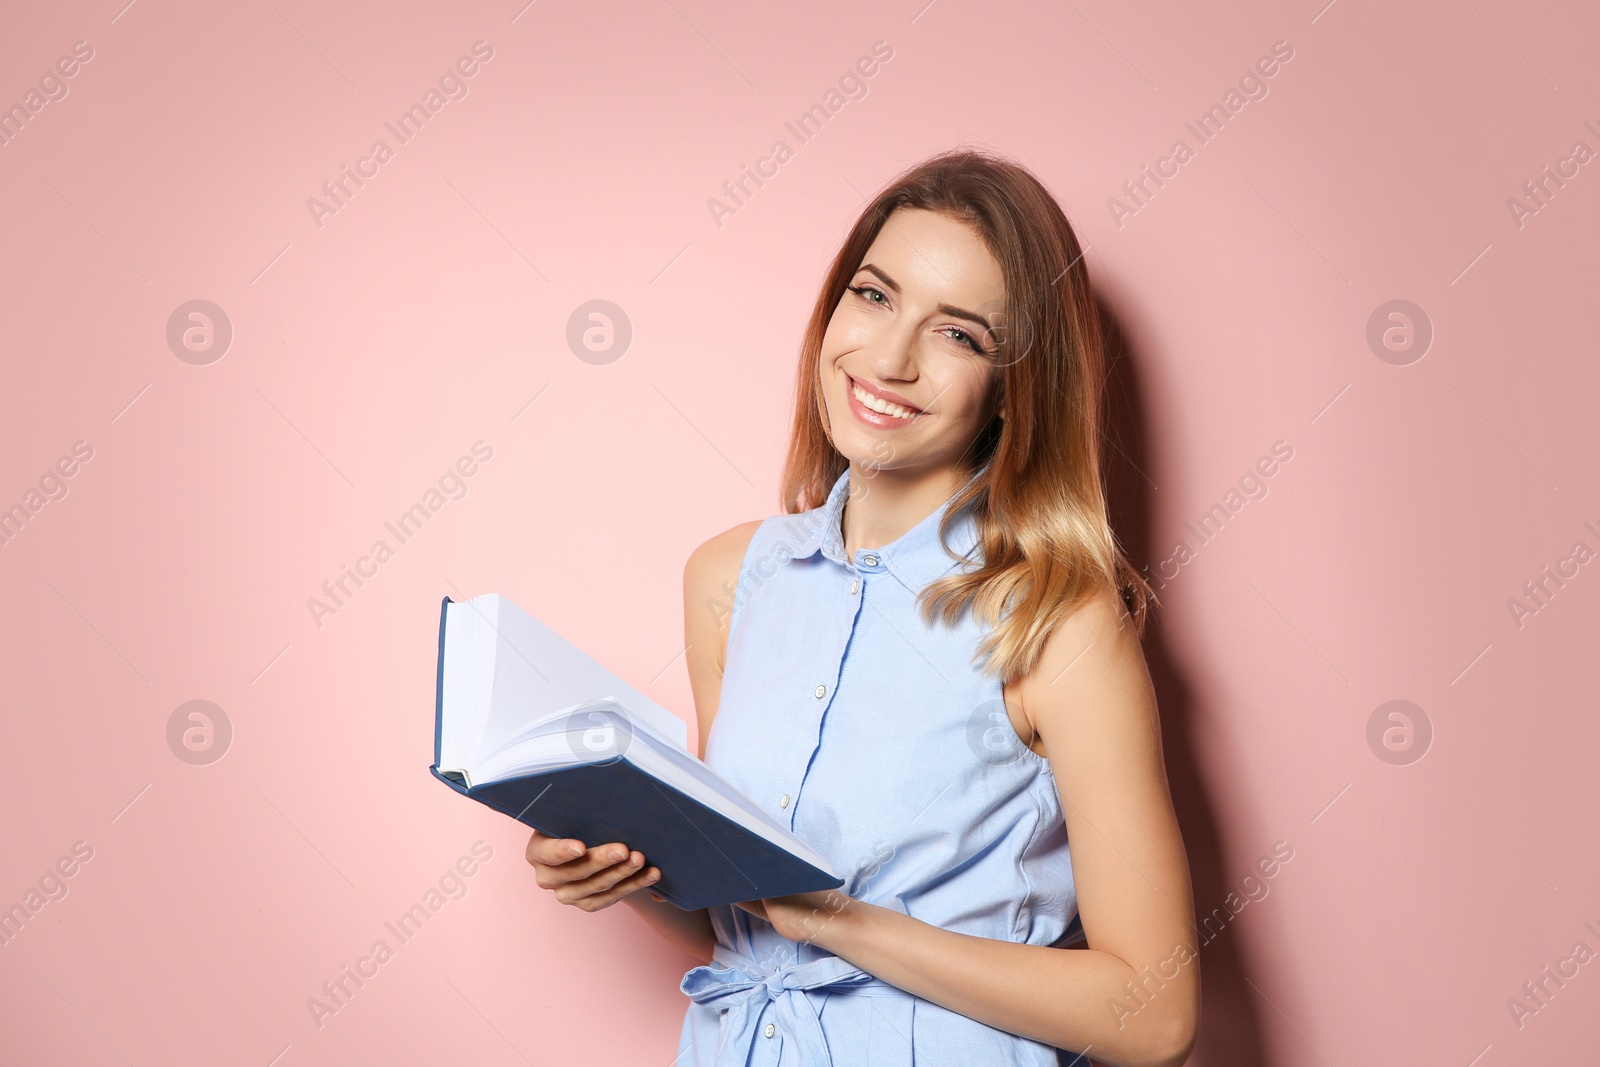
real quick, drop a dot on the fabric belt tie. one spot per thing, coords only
(744, 990)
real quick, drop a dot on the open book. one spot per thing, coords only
(530, 725)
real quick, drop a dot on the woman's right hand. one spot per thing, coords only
(590, 879)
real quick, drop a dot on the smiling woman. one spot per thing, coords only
(931, 672)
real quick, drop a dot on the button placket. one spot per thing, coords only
(824, 693)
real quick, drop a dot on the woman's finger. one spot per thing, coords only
(553, 851)
(608, 875)
(631, 884)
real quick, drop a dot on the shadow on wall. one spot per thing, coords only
(1230, 1026)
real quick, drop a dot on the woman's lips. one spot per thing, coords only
(876, 419)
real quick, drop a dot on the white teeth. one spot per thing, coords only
(883, 407)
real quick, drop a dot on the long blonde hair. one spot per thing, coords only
(1040, 500)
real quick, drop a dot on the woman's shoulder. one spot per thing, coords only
(1091, 656)
(719, 559)
(710, 584)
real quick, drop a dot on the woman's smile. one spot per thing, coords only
(873, 406)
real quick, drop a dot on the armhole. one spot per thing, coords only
(741, 589)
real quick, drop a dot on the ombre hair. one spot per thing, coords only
(1038, 494)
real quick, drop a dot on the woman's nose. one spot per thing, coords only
(894, 356)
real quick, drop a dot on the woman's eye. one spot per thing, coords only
(866, 291)
(963, 337)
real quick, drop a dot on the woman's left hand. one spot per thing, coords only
(802, 916)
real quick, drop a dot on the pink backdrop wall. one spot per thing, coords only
(374, 345)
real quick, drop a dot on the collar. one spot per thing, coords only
(916, 557)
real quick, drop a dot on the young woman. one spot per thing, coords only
(931, 672)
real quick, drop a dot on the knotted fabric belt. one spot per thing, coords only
(744, 990)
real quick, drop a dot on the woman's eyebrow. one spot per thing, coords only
(947, 309)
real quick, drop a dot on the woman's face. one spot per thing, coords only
(915, 332)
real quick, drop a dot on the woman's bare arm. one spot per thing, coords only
(709, 579)
(1131, 998)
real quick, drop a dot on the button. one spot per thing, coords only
(871, 561)
(783, 801)
(770, 1030)
(855, 583)
(822, 691)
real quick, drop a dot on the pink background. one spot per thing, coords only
(372, 351)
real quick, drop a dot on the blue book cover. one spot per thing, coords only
(552, 739)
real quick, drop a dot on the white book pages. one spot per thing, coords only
(520, 699)
(505, 670)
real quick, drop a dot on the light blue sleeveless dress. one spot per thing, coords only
(873, 737)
